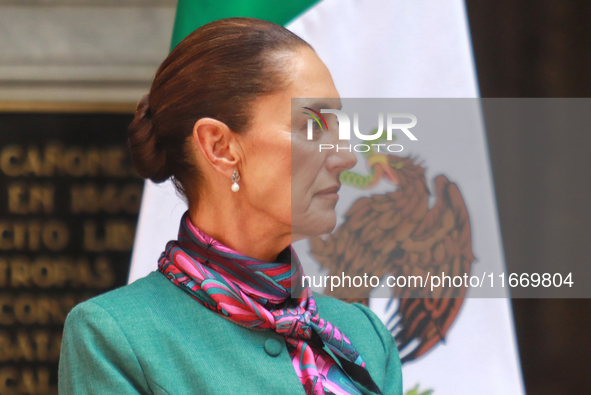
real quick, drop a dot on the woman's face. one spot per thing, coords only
(284, 174)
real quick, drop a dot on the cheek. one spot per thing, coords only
(306, 165)
(269, 176)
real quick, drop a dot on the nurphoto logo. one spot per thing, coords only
(392, 123)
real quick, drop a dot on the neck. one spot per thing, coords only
(243, 229)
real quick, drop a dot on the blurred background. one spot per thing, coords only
(71, 72)
(541, 48)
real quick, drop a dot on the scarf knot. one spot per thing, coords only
(293, 322)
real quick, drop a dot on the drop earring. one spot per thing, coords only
(235, 178)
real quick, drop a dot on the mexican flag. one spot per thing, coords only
(381, 49)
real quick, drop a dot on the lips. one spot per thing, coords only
(329, 190)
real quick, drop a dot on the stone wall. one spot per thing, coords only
(92, 51)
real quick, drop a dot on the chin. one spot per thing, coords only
(322, 224)
(316, 219)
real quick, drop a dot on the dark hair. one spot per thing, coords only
(216, 71)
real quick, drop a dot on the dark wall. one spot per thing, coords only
(541, 48)
(69, 202)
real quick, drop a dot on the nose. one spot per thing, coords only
(342, 158)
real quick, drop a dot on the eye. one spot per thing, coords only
(397, 165)
(316, 129)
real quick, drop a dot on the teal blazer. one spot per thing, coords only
(150, 337)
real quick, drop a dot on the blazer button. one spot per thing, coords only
(272, 347)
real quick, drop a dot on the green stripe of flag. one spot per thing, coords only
(191, 14)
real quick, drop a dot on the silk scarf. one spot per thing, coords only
(256, 294)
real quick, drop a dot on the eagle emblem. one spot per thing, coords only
(401, 233)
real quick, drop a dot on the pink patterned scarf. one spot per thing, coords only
(251, 293)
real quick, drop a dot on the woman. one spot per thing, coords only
(217, 317)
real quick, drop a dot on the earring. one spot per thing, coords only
(235, 178)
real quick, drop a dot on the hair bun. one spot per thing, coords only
(143, 107)
(148, 158)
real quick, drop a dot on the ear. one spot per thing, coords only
(217, 144)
